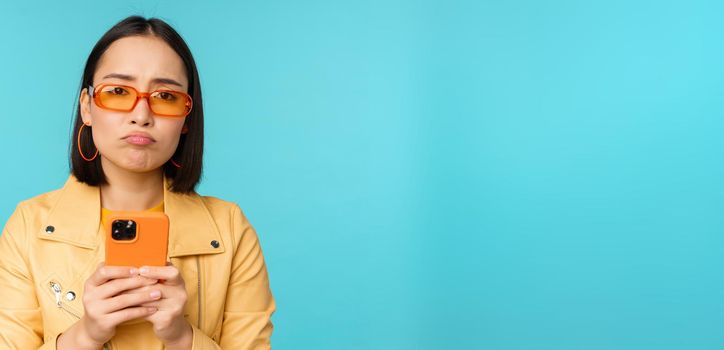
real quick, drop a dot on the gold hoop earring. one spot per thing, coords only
(80, 131)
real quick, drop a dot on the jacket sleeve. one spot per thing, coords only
(249, 302)
(21, 323)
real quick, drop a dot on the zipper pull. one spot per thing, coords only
(56, 289)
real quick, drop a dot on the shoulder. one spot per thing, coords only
(224, 210)
(32, 210)
(42, 201)
(218, 204)
(229, 217)
(25, 219)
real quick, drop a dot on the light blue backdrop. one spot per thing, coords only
(436, 175)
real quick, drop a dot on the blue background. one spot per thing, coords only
(436, 175)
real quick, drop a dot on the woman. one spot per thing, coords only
(138, 146)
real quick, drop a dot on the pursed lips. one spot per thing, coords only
(139, 139)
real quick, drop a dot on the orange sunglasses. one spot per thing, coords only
(123, 98)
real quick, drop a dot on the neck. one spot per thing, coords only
(130, 191)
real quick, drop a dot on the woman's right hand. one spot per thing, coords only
(106, 306)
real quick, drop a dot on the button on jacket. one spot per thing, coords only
(52, 243)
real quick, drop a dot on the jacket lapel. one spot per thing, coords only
(192, 228)
(74, 218)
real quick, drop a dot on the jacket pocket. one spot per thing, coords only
(60, 304)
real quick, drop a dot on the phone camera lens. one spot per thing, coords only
(123, 230)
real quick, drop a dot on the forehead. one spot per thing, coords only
(143, 57)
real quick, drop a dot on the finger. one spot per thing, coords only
(169, 274)
(117, 286)
(128, 300)
(107, 273)
(130, 313)
(168, 290)
(142, 289)
(167, 305)
(155, 304)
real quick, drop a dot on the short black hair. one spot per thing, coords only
(189, 153)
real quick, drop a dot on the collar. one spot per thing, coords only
(75, 219)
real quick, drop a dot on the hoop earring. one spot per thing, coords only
(80, 131)
(175, 164)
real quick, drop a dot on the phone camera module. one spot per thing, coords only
(123, 230)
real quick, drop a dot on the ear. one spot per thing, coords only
(84, 104)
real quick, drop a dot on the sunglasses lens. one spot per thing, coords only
(163, 102)
(116, 97)
(171, 103)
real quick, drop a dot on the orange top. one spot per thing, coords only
(105, 213)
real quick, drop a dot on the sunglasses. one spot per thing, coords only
(122, 98)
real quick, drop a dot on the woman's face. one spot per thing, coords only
(139, 140)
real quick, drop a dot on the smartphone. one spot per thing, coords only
(136, 239)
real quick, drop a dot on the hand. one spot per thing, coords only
(169, 323)
(106, 306)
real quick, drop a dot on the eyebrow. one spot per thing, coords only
(127, 77)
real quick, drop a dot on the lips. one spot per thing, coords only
(139, 139)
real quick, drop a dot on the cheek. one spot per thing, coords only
(170, 133)
(103, 132)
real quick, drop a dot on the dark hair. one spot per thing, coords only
(189, 153)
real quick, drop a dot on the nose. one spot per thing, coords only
(141, 114)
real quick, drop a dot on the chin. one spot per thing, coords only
(142, 167)
(139, 162)
(135, 165)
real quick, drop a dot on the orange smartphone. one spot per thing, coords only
(136, 239)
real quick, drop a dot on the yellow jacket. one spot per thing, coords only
(52, 243)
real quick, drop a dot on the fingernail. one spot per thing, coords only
(144, 270)
(134, 271)
(155, 294)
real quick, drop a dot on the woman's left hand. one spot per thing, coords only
(169, 323)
